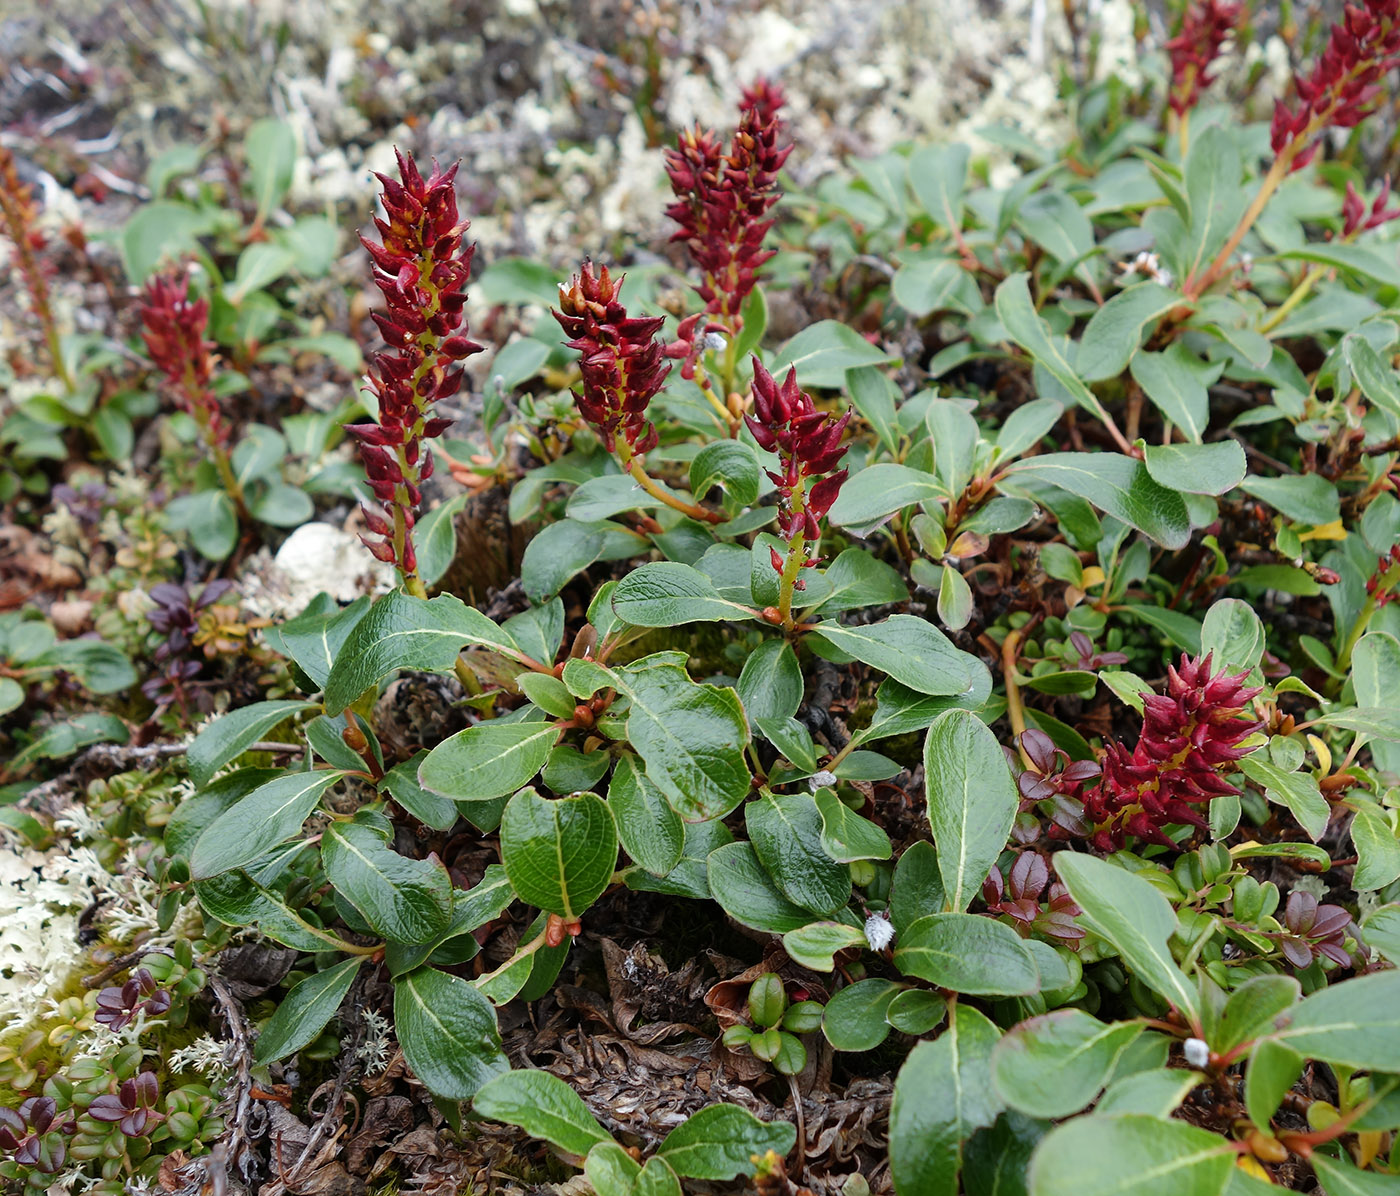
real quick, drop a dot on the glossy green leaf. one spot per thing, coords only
(651, 832)
(1272, 1070)
(727, 463)
(1115, 331)
(855, 1019)
(1131, 1155)
(1197, 468)
(967, 954)
(1055, 1064)
(814, 945)
(488, 760)
(942, 1095)
(878, 491)
(668, 594)
(1176, 382)
(721, 1141)
(972, 802)
(785, 831)
(1134, 917)
(403, 899)
(403, 632)
(304, 1011)
(253, 826)
(692, 738)
(447, 1030)
(770, 684)
(845, 835)
(1297, 790)
(314, 638)
(747, 893)
(560, 854)
(1118, 486)
(1355, 1023)
(611, 1170)
(544, 1106)
(909, 649)
(229, 736)
(822, 353)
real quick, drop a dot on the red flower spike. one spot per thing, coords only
(1344, 86)
(722, 201)
(622, 362)
(1204, 28)
(807, 442)
(173, 329)
(421, 268)
(1188, 736)
(1356, 219)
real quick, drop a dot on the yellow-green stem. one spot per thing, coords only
(1300, 292)
(792, 566)
(633, 465)
(520, 953)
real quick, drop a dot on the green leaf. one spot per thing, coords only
(260, 265)
(102, 668)
(972, 802)
(1297, 790)
(544, 1106)
(668, 594)
(938, 174)
(559, 855)
(917, 885)
(1304, 498)
(1355, 1023)
(488, 760)
(1055, 1064)
(407, 900)
(611, 1170)
(874, 396)
(967, 954)
(1377, 848)
(858, 579)
(518, 361)
(878, 491)
(1115, 331)
(916, 1011)
(747, 893)
(1253, 1009)
(727, 463)
(692, 738)
(1233, 634)
(1342, 1179)
(814, 945)
(822, 353)
(565, 548)
(1156, 1092)
(403, 632)
(652, 833)
(229, 736)
(785, 831)
(1026, 426)
(1117, 485)
(304, 1011)
(909, 649)
(1273, 1069)
(1374, 722)
(770, 684)
(942, 1095)
(314, 638)
(1356, 258)
(846, 836)
(211, 520)
(899, 709)
(435, 538)
(271, 152)
(253, 826)
(162, 231)
(1197, 468)
(518, 280)
(447, 1030)
(1131, 1155)
(1053, 220)
(1176, 381)
(1182, 630)
(1024, 326)
(1135, 918)
(855, 1019)
(925, 285)
(471, 909)
(720, 1143)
